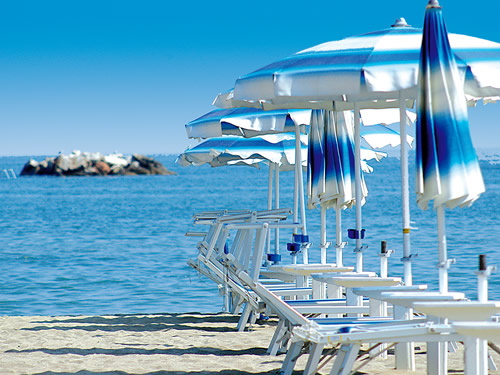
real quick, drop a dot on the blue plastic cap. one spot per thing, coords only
(274, 257)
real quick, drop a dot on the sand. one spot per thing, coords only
(188, 343)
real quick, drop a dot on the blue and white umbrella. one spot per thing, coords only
(448, 170)
(373, 70)
(276, 149)
(331, 167)
(251, 122)
(331, 171)
(246, 122)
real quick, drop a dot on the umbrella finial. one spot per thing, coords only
(400, 22)
(433, 4)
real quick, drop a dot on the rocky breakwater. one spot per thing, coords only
(94, 164)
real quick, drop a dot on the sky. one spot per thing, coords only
(126, 76)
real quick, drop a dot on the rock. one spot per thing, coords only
(151, 165)
(135, 168)
(103, 168)
(46, 167)
(30, 168)
(95, 164)
(116, 159)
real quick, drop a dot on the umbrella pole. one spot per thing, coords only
(443, 256)
(340, 245)
(276, 205)
(269, 206)
(300, 185)
(405, 192)
(323, 235)
(357, 160)
(296, 187)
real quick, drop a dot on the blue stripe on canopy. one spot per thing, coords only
(447, 166)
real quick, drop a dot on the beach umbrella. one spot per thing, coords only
(448, 170)
(331, 168)
(231, 150)
(369, 71)
(276, 150)
(250, 122)
(246, 122)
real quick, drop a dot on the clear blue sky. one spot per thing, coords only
(127, 75)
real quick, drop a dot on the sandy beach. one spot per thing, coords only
(190, 343)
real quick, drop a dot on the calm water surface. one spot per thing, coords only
(103, 245)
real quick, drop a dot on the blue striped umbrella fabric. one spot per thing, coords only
(331, 161)
(246, 122)
(447, 166)
(229, 150)
(373, 66)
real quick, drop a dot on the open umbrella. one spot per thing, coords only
(250, 122)
(369, 71)
(277, 150)
(448, 170)
(230, 150)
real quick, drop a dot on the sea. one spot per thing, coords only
(117, 245)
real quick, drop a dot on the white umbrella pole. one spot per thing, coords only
(339, 246)
(405, 192)
(357, 160)
(277, 205)
(296, 188)
(269, 206)
(323, 234)
(300, 185)
(270, 187)
(443, 256)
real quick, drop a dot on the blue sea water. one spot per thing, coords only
(99, 245)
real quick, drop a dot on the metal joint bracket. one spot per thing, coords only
(341, 246)
(408, 258)
(360, 249)
(446, 264)
(387, 254)
(487, 272)
(325, 245)
(305, 245)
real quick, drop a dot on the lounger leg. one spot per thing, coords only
(353, 300)
(313, 360)
(333, 291)
(278, 334)
(471, 365)
(405, 352)
(244, 317)
(318, 290)
(345, 359)
(291, 357)
(377, 309)
(437, 354)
